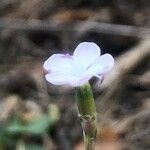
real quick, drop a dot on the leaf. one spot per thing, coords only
(33, 147)
(6, 140)
(37, 127)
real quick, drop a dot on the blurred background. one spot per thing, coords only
(36, 115)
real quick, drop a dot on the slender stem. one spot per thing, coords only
(87, 114)
(90, 145)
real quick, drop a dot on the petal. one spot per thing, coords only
(80, 80)
(103, 64)
(59, 62)
(58, 78)
(85, 54)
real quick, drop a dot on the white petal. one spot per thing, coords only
(58, 78)
(81, 80)
(59, 62)
(85, 54)
(103, 64)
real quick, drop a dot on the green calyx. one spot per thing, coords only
(85, 100)
(87, 114)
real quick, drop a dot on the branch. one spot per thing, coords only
(81, 27)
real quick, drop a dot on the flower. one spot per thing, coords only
(79, 68)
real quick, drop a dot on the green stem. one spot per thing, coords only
(87, 114)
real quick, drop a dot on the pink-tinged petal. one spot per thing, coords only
(59, 62)
(103, 64)
(85, 54)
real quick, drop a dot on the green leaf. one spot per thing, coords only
(36, 127)
(34, 147)
(6, 140)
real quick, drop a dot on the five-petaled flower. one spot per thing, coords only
(79, 68)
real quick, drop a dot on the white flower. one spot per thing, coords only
(79, 68)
